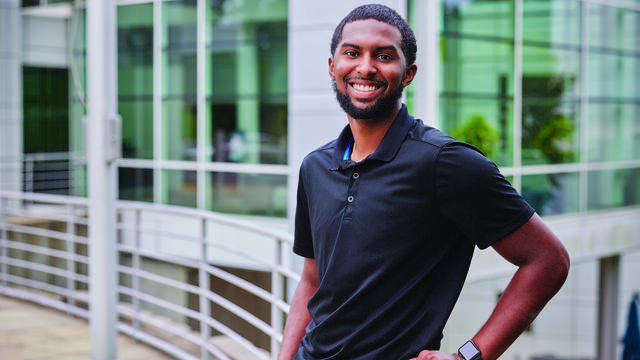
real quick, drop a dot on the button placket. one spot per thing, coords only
(351, 194)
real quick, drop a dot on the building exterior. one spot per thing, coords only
(221, 99)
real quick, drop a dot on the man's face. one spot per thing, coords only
(369, 69)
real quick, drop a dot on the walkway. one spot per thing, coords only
(32, 332)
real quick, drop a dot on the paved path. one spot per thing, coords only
(32, 332)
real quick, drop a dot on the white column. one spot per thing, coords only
(10, 96)
(427, 31)
(101, 153)
(608, 307)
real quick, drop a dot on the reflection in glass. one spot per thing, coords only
(550, 82)
(179, 187)
(246, 83)
(249, 194)
(477, 75)
(552, 194)
(179, 80)
(135, 79)
(613, 188)
(135, 184)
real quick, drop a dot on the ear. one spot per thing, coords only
(332, 74)
(409, 74)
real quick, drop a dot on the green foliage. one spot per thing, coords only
(478, 132)
(555, 139)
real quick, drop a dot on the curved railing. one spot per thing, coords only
(192, 283)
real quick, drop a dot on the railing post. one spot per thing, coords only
(203, 282)
(276, 292)
(3, 242)
(28, 174)
(71, 254)
(137, 266)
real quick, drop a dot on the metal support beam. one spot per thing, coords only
(608, 307)
(102, 146)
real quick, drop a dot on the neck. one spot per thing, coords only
(368, 133)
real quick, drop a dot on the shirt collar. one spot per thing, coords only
(388, 147)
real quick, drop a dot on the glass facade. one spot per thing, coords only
(548, 90)
(202, 93)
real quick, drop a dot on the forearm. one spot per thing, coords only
(297, 321)
(526, 295)
(298, 317)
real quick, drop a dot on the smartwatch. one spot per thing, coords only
(469, 351)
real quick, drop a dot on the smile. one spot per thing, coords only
(362, 87)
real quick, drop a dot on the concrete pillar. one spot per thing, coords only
(10, 95)
(608, 307)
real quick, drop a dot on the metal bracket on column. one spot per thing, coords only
(113, 144)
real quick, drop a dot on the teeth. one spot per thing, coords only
(360, 87)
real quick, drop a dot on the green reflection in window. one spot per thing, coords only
(484, 123)
(246, 82)
(135, 79)
(614, 130)
(613, 188)
(613, 87)
(179, 80)
(476, 79)
(550, 82)
(135, 184)
(552, 194)
(179, 188)
(248, 194)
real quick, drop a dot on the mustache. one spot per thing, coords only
(352, 79)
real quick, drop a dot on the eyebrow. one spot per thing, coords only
(379, 48)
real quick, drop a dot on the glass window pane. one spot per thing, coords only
(179, 79)
(485, 123)
(135, 184)
(179, 188)
(550, 82)
(179, 128)
(613, 188)
(614, 130)
(246, 82)
(135, 79)
(249, 194)
(476, 75)
(552, 194)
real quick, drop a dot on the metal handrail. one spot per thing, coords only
(43, 258)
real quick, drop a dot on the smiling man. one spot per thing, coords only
(389, 214)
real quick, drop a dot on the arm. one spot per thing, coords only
(299, 317)
(543, 265)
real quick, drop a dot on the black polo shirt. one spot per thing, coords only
(393, 237)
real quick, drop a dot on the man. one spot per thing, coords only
(388, 216)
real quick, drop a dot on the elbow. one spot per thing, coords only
(559, 268)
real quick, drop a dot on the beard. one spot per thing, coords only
(380, 108)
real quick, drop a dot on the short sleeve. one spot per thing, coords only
(302, 244)
(474, 196)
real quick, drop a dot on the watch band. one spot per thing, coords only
(469, 351)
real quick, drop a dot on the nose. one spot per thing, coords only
(366, 66)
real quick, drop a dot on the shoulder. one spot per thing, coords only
(319, 156)
(438, 142)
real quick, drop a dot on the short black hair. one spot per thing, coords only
(381, 13)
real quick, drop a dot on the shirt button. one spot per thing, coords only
(350, 199)
(356, 175)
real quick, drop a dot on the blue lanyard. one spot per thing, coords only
(347, 151)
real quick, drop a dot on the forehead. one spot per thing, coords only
(361, 32)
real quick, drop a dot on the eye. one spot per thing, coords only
(351, 53)
(384, 57)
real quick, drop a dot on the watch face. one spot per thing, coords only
(468, 351)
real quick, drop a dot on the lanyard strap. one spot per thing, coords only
(347, 151)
